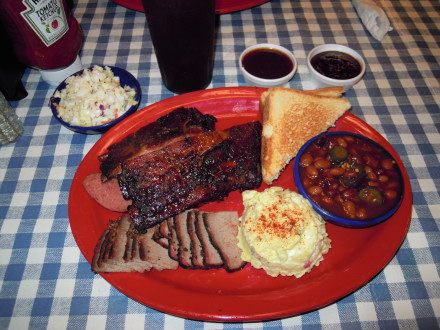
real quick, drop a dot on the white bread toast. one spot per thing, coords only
(335, 91)
(290, 118)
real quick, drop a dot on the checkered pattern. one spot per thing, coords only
(45, 282)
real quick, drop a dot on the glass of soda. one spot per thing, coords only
(182, 32)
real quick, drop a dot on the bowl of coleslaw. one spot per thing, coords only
(95, 99)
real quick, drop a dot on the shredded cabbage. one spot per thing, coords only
(93, 98)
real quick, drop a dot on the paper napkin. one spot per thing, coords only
(373, 17)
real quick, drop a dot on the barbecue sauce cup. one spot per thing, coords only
(335, 65)
(267, 65)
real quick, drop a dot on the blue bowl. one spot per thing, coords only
(126, 79)
(326, 215)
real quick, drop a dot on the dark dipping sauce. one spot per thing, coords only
(267, 63)
(336, 65)
(351, 177)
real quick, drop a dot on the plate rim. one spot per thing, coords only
(220, 94)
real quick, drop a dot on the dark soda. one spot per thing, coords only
(182, 32)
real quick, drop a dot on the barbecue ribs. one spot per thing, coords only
(176, 123)
(172, 169)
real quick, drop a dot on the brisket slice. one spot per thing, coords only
(178, 122)
(184, 250)
(109, 254)
(122, 249)
(223, 230)
(212, 258)
(151, 252)
(164, 230)
(173, 249)
(192, 170)
(162, 234)
(197, 255)
(158, 238)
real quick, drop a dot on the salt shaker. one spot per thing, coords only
(11, 127)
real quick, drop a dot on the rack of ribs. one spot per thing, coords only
(180, 162)
(177, 123)
(192, 170)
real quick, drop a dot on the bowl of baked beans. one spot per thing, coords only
(349, 179)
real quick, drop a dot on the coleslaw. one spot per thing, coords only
(93, 98)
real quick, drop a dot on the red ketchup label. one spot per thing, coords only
(46, 18)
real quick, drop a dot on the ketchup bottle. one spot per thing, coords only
(45, 36)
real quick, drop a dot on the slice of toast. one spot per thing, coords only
(290, 118)
(335, 91)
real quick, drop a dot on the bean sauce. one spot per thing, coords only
(350, 177)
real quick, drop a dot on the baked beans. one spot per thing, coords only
(350, 177)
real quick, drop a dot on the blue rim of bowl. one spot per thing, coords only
(125, 77)
(331, 217)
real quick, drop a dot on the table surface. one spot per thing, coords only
(45, 282)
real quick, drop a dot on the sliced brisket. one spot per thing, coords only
(197, 253)
(122, 249)
(198, 240)
(212, 258)
(153, 253)
(184, 250)
(223, 230)
(173, 249)
(110, 252)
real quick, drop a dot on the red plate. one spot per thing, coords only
(222, 6)
(355, 257)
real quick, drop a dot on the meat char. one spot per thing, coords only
(191, 170)
(179, 122)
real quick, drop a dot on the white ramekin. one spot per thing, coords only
(252, 80)
(320, 80)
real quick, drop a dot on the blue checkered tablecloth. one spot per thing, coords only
(45, 282)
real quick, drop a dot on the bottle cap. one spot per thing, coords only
(55, 77)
